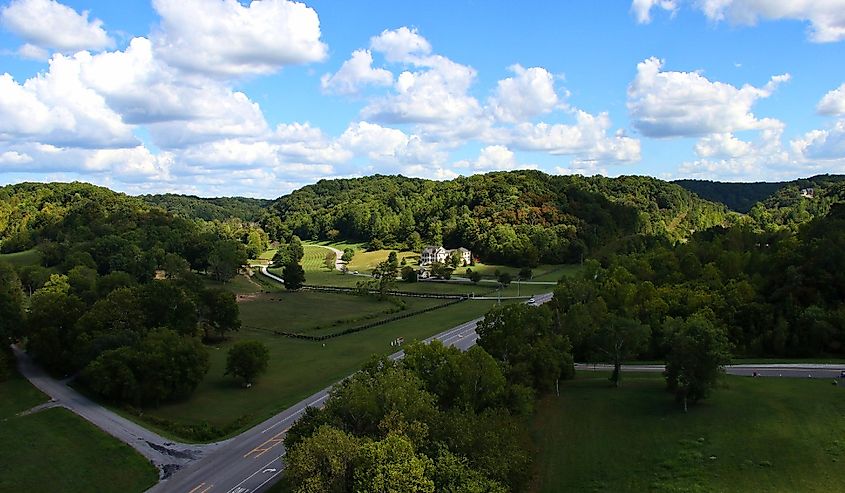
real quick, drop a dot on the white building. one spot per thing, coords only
(432, 254)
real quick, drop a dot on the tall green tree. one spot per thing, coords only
(523, 340)
(247, 360)
(219, 312)
(11, 309)
(699, 351)
(392, 465)
(225, 259)
(324, 461)
(294, 276)
(618, 340)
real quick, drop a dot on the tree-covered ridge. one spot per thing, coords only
(209, 209)
(520, 217)
(32, 211)
(739, 197)
(788, 207)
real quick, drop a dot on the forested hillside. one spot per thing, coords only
(209, 209)
(773, 203)
(739, 197)
(520, 217)
(788, 207)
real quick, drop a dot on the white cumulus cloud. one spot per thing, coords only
(721, 146)
(355, 73)
(225, 37)
(833, 103)
(642, 8)
(587, 139)
(401, 45)
(527, 95)
(826, 17)
(672, 104)
(47, 24)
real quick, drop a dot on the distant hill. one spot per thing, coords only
(783, 195)
(510, 217)
(739, 197)
(209, 209)
(789, 207)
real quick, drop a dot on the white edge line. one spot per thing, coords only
(256, 472)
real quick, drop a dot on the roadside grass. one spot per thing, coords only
(16, 395)
(297, 369)
(761, 435)
(54, 450)
(20, 259)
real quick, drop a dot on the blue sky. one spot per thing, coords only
(219, 97)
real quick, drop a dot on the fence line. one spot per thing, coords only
(359, 328)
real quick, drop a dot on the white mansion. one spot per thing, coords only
(432, 254)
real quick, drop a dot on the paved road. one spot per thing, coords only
(801, 370)
(167, 455)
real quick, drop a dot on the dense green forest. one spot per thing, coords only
(773, 294)
(91, 306)
(739, 197)
(209, 209)
(520, 217)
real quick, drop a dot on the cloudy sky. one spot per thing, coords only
(220, 97)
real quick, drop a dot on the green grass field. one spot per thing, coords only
(752, 435)
(55, 450)
(299, 368)
(307, 311)
(18, 259)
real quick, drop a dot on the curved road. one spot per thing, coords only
(167, 455)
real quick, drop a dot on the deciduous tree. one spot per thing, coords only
(247, 359)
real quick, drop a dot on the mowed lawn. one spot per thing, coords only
(298, 368)
(54, 450)
(752, 435)
(306, 311)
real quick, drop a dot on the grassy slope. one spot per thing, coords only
(26, 257)
(55, 450)
(767, 435)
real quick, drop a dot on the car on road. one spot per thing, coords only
(531, 300)
(842, 374)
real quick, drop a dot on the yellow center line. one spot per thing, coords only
(198, 487)
(266, 446)
(203, 491)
